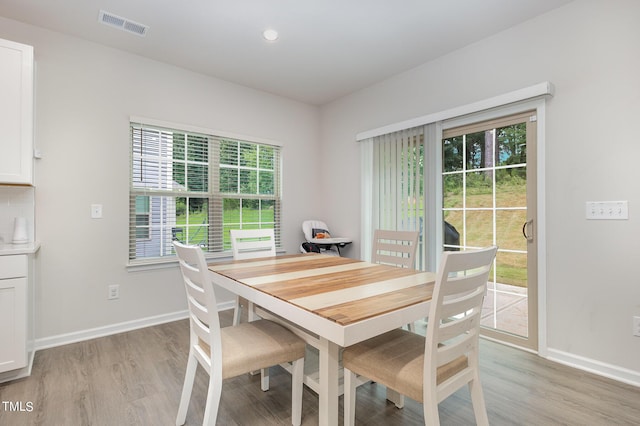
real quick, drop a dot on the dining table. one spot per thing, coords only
(332, 302)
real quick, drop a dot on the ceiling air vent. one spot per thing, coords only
(124, 24)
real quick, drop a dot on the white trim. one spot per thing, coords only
(610, 371)
(166, 262)
(202, 130)
(541, 231)
(366, 199)
(107, 330)
(537, 90)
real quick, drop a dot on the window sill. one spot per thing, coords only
(172, 262)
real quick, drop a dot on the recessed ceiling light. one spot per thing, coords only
(270, 35)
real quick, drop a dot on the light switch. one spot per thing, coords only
(607, 210)
(96, 211)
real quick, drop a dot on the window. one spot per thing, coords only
(195, 187)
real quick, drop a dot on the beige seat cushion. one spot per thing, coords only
(396, 359)
(255, 345)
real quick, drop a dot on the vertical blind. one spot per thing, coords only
(194, 188)
(397, 183)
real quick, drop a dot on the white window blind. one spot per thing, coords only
(396, 184)
(195, 187)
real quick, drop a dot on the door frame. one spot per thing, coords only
(538, 343)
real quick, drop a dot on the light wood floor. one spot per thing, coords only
(135, 378)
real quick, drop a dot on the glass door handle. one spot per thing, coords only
(524, 230)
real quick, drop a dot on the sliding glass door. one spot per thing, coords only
(488, 197)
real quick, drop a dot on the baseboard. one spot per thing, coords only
(592, 366)
(92, 333)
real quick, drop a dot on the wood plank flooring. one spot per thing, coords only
(135, 378)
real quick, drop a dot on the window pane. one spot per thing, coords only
(248, 181)
(228, 180)
(509, 229)
(267, 157)
(452, 193)
(511, 187)
(179, 146)
(512, 144)
(229, 152)
(480, 150)
(266, 184)
(142, 204)
(512, 268)
(452, 154)
(248, 155)
(267, 212)
(479, 189)
(156, 231)
(250, 214)
(479, 228)
(197, 177)
(198, 148)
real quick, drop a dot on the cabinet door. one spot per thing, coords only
(16, 113)
(13, 324)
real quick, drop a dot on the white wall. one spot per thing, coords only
(589, 51)
(85, 94)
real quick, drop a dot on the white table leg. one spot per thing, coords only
(329, 390)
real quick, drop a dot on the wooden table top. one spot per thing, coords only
(337, 288)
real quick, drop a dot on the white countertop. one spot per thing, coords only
(26, 248)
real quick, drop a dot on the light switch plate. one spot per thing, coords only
(607, 210)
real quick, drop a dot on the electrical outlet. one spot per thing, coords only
(114, 292)
(636, 326)
(96, 211)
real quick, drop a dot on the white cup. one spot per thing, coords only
(20, 235)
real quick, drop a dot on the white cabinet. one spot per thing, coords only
(13, 312)
(16, 113)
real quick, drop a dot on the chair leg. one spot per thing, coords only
(264, 379)
(237, 311)
(430, 406)
(187, 387)
(213, 400)
(477, 399)
(431, 415)
(349, 401)
(297, 376)
(264, 373)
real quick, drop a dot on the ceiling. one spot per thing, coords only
(326, 49)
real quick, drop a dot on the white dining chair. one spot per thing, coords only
(250, 244)
(230, 351)
(429, 369)
(396, 248)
